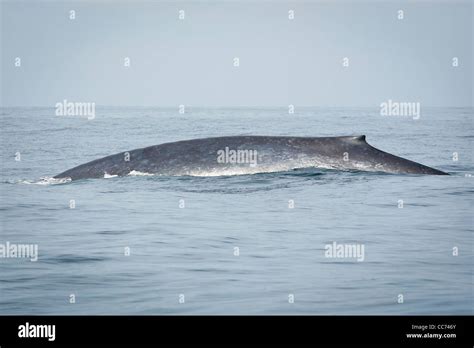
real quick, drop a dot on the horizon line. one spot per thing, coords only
(235, 106)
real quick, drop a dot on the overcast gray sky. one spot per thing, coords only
(282, 61)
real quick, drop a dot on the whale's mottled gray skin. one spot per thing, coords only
(199, 157)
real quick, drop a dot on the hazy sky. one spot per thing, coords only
(282, 61)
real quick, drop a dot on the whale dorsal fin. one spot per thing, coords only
(360, 138)
(356, 138)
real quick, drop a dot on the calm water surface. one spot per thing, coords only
(190, 250)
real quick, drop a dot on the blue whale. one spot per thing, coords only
(238, 155)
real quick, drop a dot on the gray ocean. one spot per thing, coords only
(233, 245)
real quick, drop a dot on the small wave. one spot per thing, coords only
(138, 173)
(45, 181)
(68, 258)
(108, 176)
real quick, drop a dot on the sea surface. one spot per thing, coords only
(183, 232)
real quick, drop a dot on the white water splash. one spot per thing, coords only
(45, 181)
(108, 176)
(137, 173)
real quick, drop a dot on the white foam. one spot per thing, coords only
(46, 181)
(108, 176)
(138, 173)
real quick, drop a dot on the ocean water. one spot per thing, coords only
(188, 253)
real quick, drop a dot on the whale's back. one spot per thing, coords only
(234, 155)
